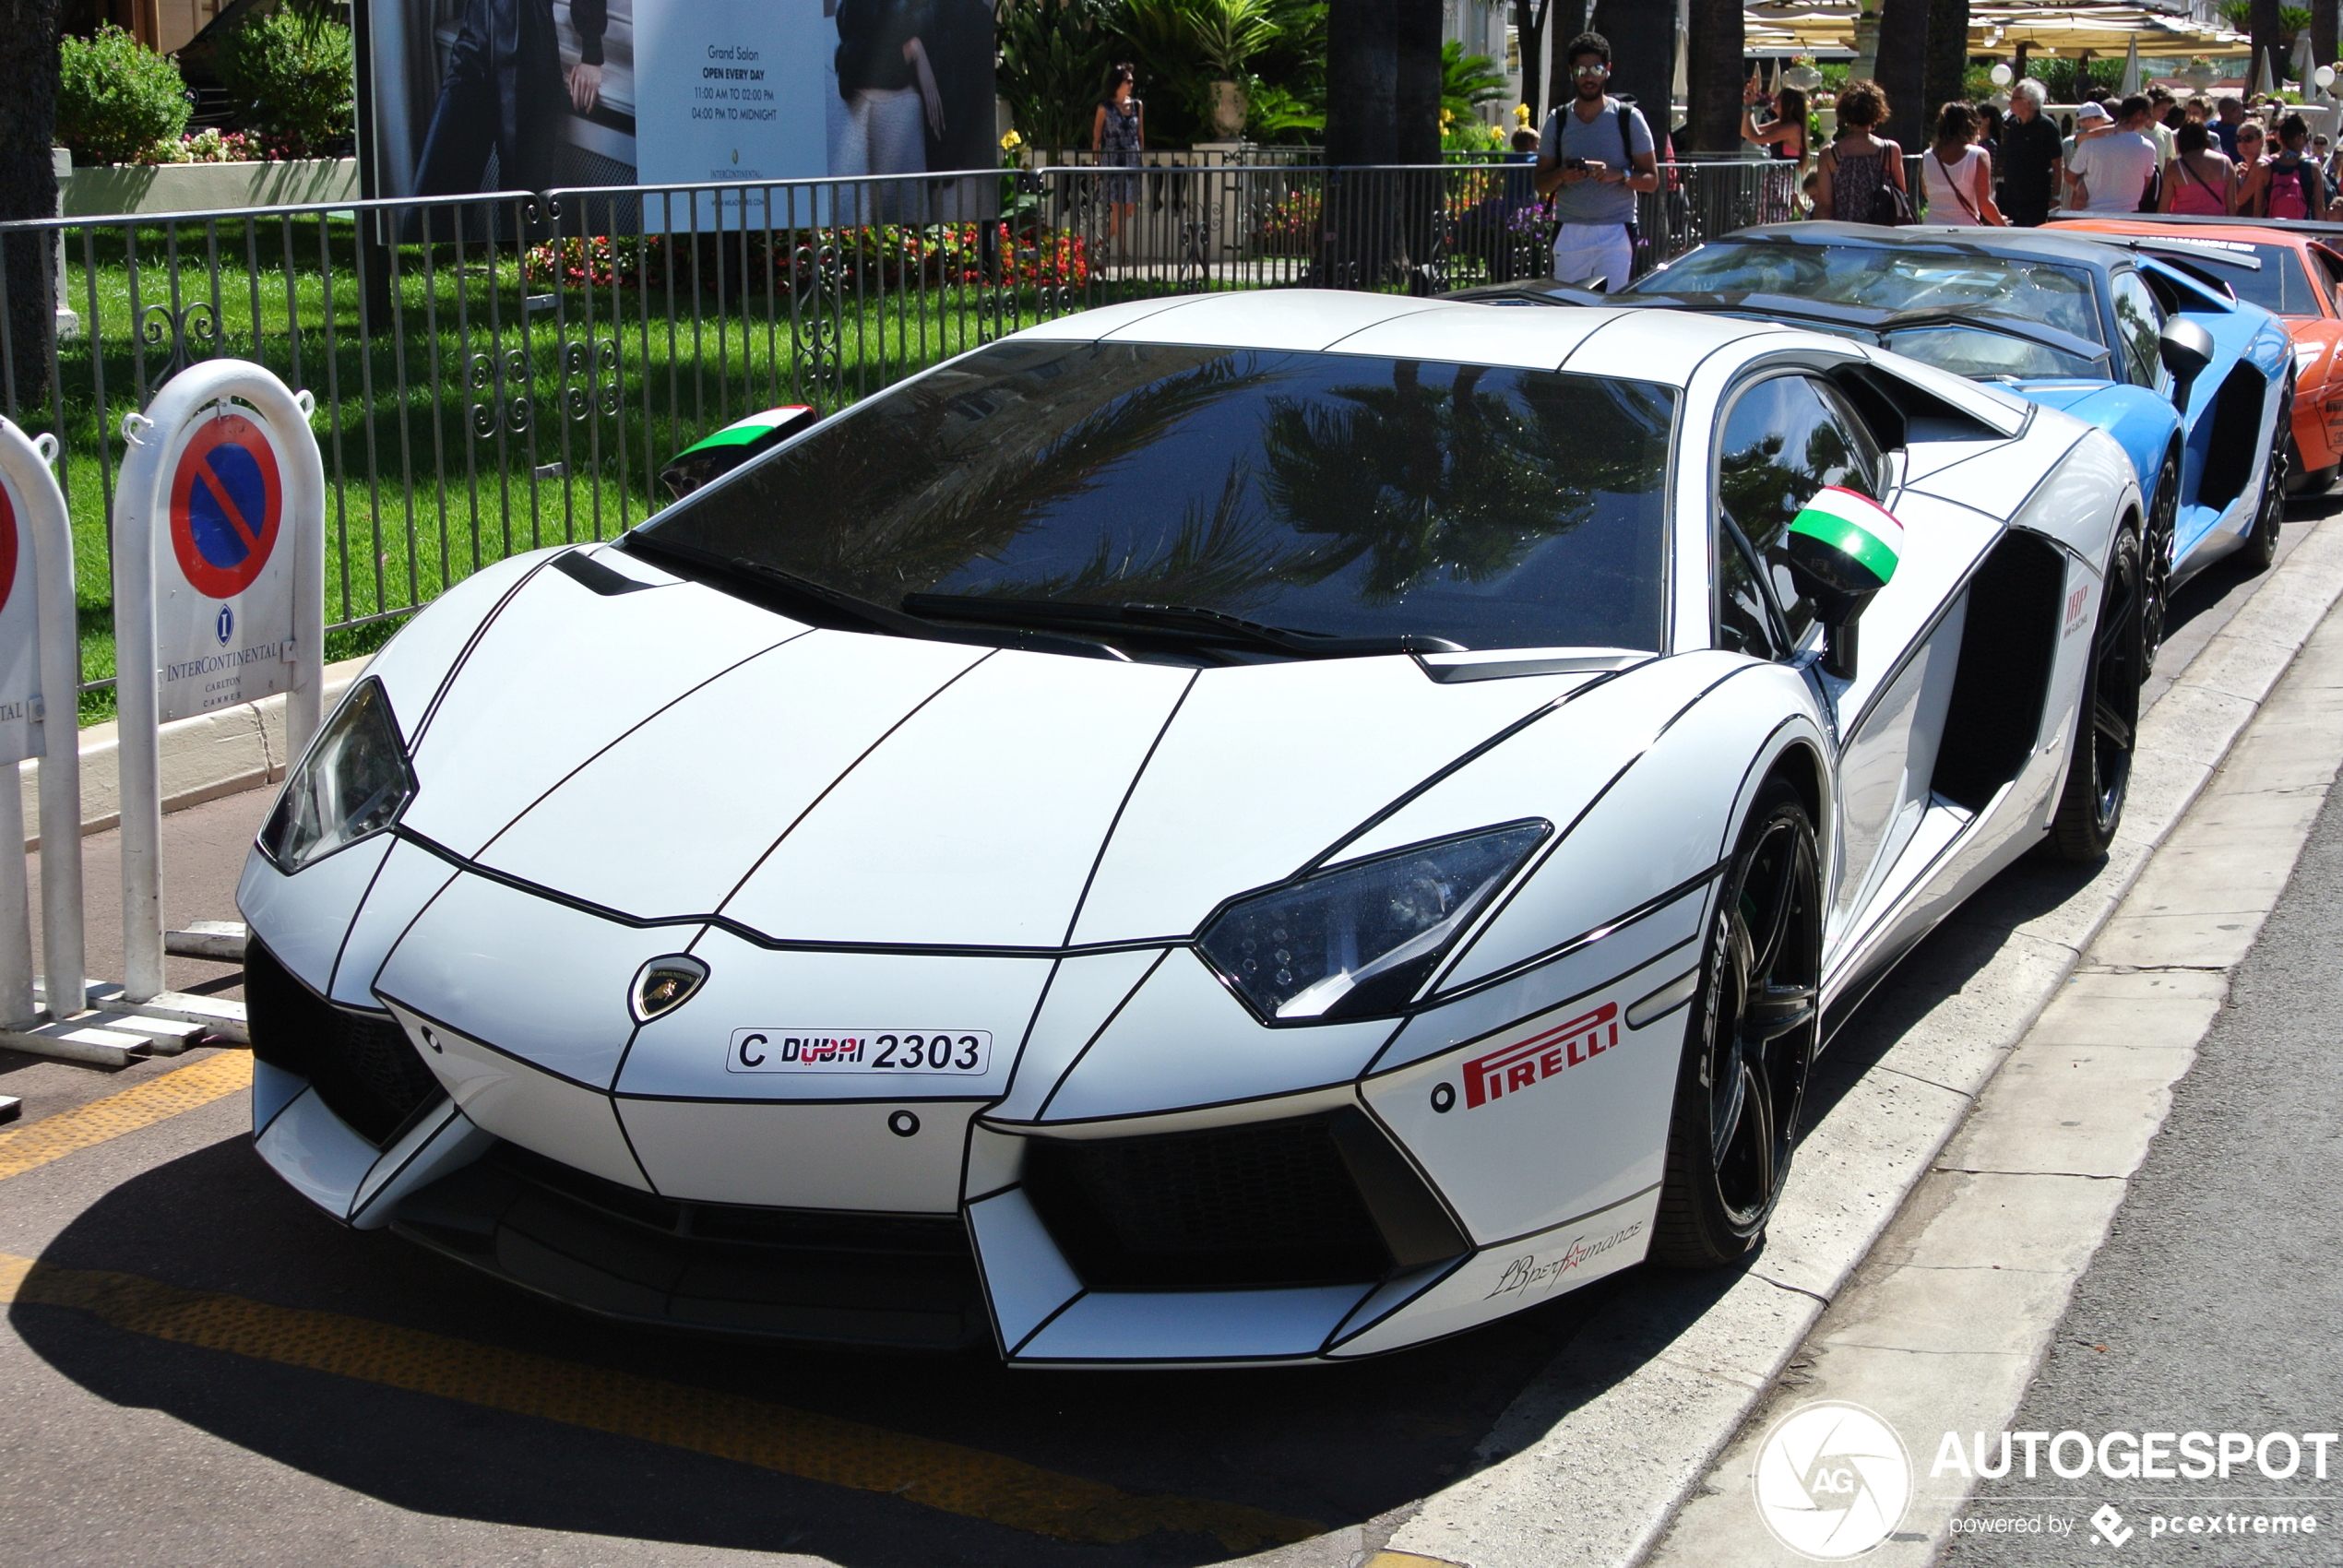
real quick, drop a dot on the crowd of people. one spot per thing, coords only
(1985, 166)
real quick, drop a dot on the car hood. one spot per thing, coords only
(674, 753)
(2068, 395)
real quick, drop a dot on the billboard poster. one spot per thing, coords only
(462, 96)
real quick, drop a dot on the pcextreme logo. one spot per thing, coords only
(1832, 1480)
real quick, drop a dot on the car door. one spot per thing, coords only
(2319, 375)
(1784, 437)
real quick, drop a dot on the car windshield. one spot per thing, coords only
(1340, 495)
(1877, 277)
(1981, 352)
(2281, 287)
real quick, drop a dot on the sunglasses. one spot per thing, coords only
(1591, 70)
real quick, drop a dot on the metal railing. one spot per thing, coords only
(497, 372)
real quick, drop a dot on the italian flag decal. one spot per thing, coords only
(743, 432)
(1847, 540)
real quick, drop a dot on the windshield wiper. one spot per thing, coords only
(1185, 623)
(795, 594)
(788, 584)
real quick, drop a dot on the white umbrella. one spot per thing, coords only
(2132, 64)
(2303, 64)
(2265, 74)
(1775, 88)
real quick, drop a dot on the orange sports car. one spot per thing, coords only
(2300, 282)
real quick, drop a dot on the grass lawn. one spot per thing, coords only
(479, 409)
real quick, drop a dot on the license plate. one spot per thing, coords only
(906, 1054)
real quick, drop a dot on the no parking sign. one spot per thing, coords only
(223, 578)
(20, 633)
(219, 593)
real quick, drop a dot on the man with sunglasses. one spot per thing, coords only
(1595, 155)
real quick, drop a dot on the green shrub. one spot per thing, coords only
(289, 75)
(1053, 59)
(116, 97)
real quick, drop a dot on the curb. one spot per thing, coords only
(1592, 1460)
(1948, 1321)
(204, 757)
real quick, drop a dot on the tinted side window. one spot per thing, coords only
(2137, 323)
(1786, 438)
(1743, 623)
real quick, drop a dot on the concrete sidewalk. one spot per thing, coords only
(203, 849)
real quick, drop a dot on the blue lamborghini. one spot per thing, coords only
(2144, 338)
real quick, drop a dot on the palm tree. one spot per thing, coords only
(1947, 56)
(1714, 53)
(1902, 69)
(28, 187)
(2268, 23)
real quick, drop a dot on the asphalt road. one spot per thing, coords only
(199, 1368)
(2212, 1306)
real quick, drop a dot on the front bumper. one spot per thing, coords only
(895, 1282)
(1351, 1219)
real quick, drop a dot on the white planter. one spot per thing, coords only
(205, 187)
(1229, 108)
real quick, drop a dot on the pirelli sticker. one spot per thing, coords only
(1525, 1063)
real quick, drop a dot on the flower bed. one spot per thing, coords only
(882, 255)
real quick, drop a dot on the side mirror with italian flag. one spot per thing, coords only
(1843, 547)
(732, 445)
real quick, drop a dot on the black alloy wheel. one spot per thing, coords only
(2156, 562)
(1749, 1043)
(2098, 775)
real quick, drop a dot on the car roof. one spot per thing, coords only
(2292, 232)
(2037, 244)
(1642, 345)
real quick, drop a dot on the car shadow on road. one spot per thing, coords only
(1330, 1447)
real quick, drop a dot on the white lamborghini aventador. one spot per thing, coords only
(1260, 827)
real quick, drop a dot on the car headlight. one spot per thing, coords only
(1362, 938)
(353, 784)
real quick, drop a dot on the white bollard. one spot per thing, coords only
(219, 594)
(39, 716)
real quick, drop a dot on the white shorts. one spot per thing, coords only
(1594, 254)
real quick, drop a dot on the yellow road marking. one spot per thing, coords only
(141, 1105)
(798, 1443)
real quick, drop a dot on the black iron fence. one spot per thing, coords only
(498, 373)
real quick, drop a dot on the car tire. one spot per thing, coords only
(2156, 562)
(1749, 1042)
(2260, 550)
(2099, 771)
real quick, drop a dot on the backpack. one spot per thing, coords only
(2293, 193)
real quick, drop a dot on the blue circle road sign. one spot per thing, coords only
(227, 505)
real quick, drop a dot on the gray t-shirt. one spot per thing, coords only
(1567, 136)
(2115, 168)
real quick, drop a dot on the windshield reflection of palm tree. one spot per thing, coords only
(919, 540)
(1217, 557)
(1465, 484)
(1762, 491)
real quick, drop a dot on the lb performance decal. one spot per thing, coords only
(1525, 1062)
(227, 502)
(923, 1053)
